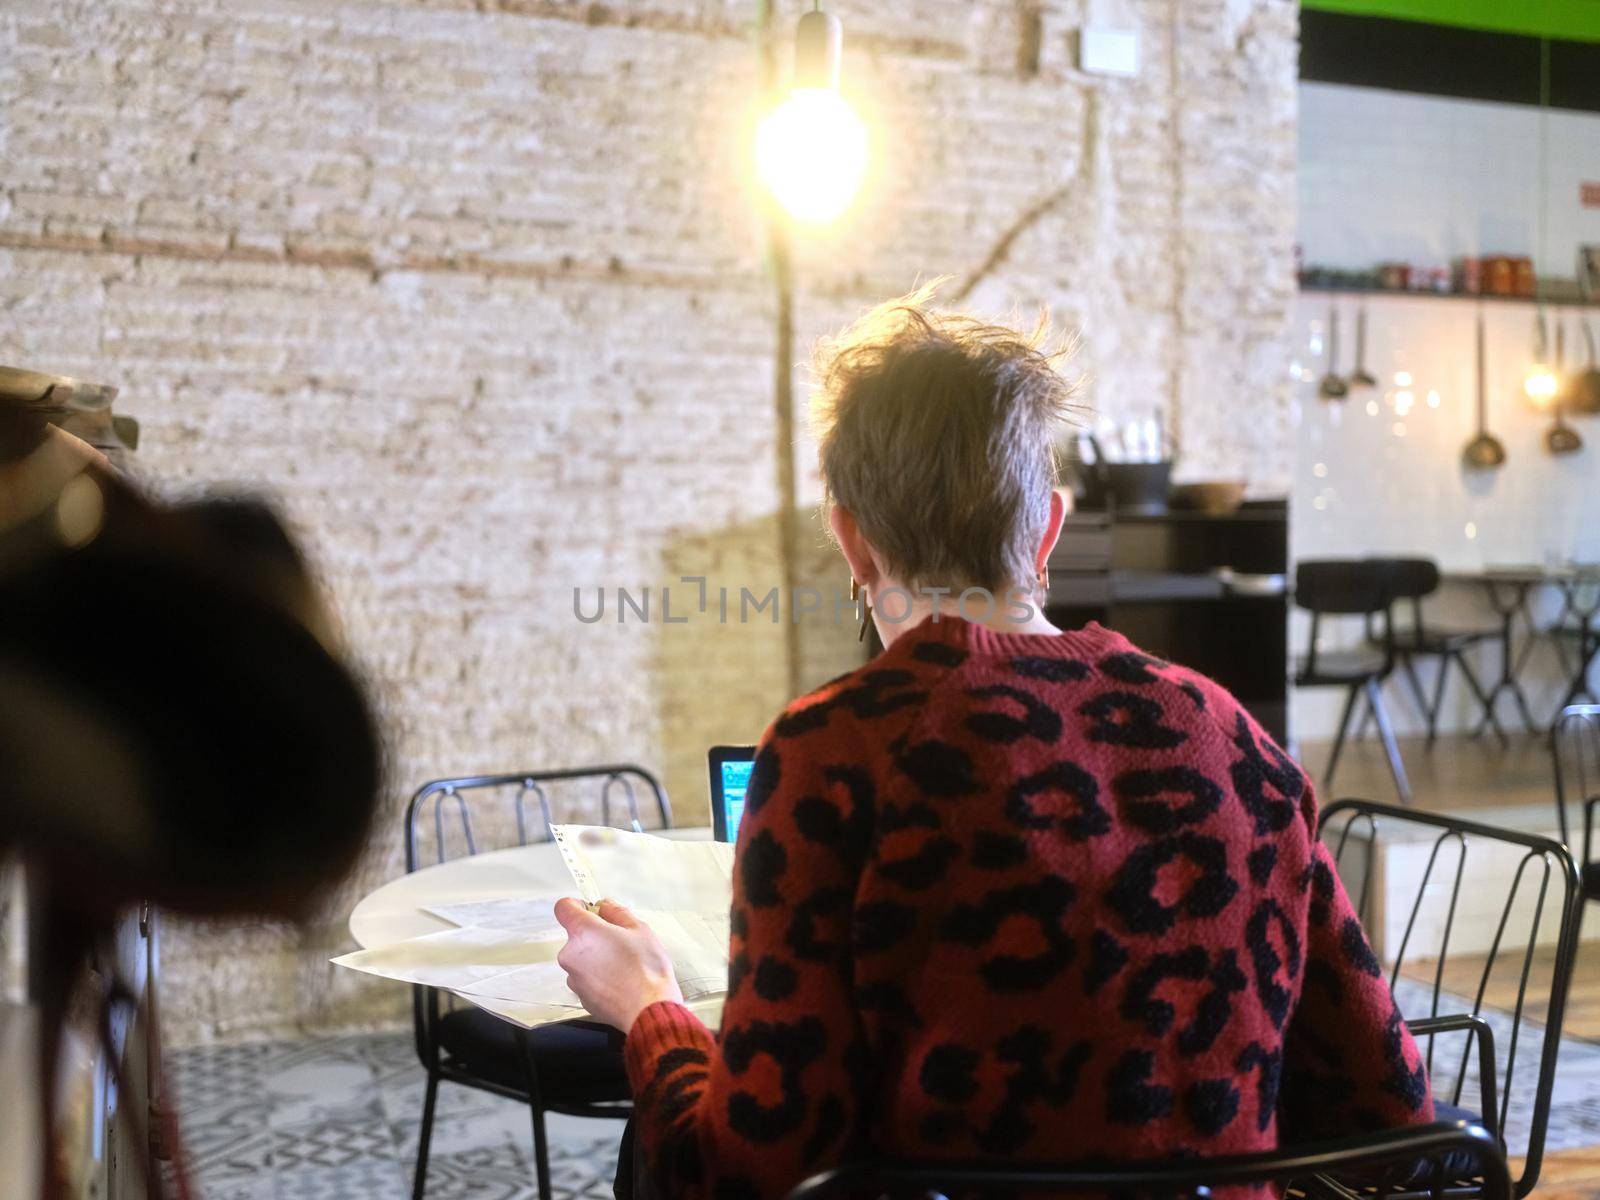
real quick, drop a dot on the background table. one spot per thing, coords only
(393, 913)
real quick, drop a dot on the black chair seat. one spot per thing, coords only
(1335, 668)
(578, 1064)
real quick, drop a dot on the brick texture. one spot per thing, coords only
(478, 291)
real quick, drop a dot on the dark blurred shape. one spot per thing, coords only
(177, 724)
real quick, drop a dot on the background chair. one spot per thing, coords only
(1475, 986)
(1393, 1155)
(1350, 587)
(1410, 581)
(573, 1067)
(1575, 747)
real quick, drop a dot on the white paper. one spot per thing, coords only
(697, 943)
(645, 872)
(527, 914)
(540, 983)
(455, 959)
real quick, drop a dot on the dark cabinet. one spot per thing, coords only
(1207, 592)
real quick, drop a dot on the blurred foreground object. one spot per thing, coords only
(178, 728)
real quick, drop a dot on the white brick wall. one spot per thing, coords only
(478, 291)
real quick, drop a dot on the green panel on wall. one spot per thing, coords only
(1573, 20)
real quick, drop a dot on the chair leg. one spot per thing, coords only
(1482, 696)
(1421, 697)
(1433, 710)
(1390, 746)
(419, 1181)
(541, 1152)
(1338, 740)
(1360, 735)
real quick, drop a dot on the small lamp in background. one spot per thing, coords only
(811, 151)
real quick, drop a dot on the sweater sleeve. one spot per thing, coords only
(769, 1100)
(1349, 1062)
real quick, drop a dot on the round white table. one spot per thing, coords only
(394, 912)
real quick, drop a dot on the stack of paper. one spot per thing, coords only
(504, 949)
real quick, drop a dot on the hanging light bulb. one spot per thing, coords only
(811, 151)
(1541, 383)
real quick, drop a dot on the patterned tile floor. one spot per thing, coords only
(337, 1119)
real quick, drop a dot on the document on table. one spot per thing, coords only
(528, 914)
(504, 949)
(468, 960)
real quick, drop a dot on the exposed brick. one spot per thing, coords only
(478, 290)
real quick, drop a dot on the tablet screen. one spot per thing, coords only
(730, 777)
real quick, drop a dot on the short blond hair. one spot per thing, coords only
(937, 432)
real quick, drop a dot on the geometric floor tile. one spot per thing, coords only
(337, 1119)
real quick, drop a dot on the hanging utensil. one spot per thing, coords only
(1484, 452)
(1361, 377)
(1332, 386)
(1584, 395)
(1561, 438)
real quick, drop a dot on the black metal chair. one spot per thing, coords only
(1575, 747)
(572, 1067)
(1536, 878)
(1387, 1163)
(1410, 581)
(1350, 587)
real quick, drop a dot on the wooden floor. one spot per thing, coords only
(1459, 775)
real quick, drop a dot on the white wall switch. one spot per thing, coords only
(1108, 51)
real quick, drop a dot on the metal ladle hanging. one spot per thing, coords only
(1484, 452)
(1562, 438)
(1584, 394)
(1333, 387)
(1361, 377)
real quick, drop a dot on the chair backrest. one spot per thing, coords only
(1342, 586)
(1457, 909)
(1406, 1153)
(1575, 749)
(476, 812)
(1411, 579)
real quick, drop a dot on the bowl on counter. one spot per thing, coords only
(1215, 498)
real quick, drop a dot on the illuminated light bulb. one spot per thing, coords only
(811, 152)
(1399, 429)
(1402, 379)
(1471, 530)
(1433, 399)
(1372, 408)
(1320, 470)
(1541, 384)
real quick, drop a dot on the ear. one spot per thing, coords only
(857, 553)
(1052, 529)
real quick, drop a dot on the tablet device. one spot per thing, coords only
(730, 775)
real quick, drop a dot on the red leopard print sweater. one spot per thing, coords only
(1018, 896)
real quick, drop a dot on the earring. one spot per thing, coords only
(855, 589)
(866, 610)
(1043, 578)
